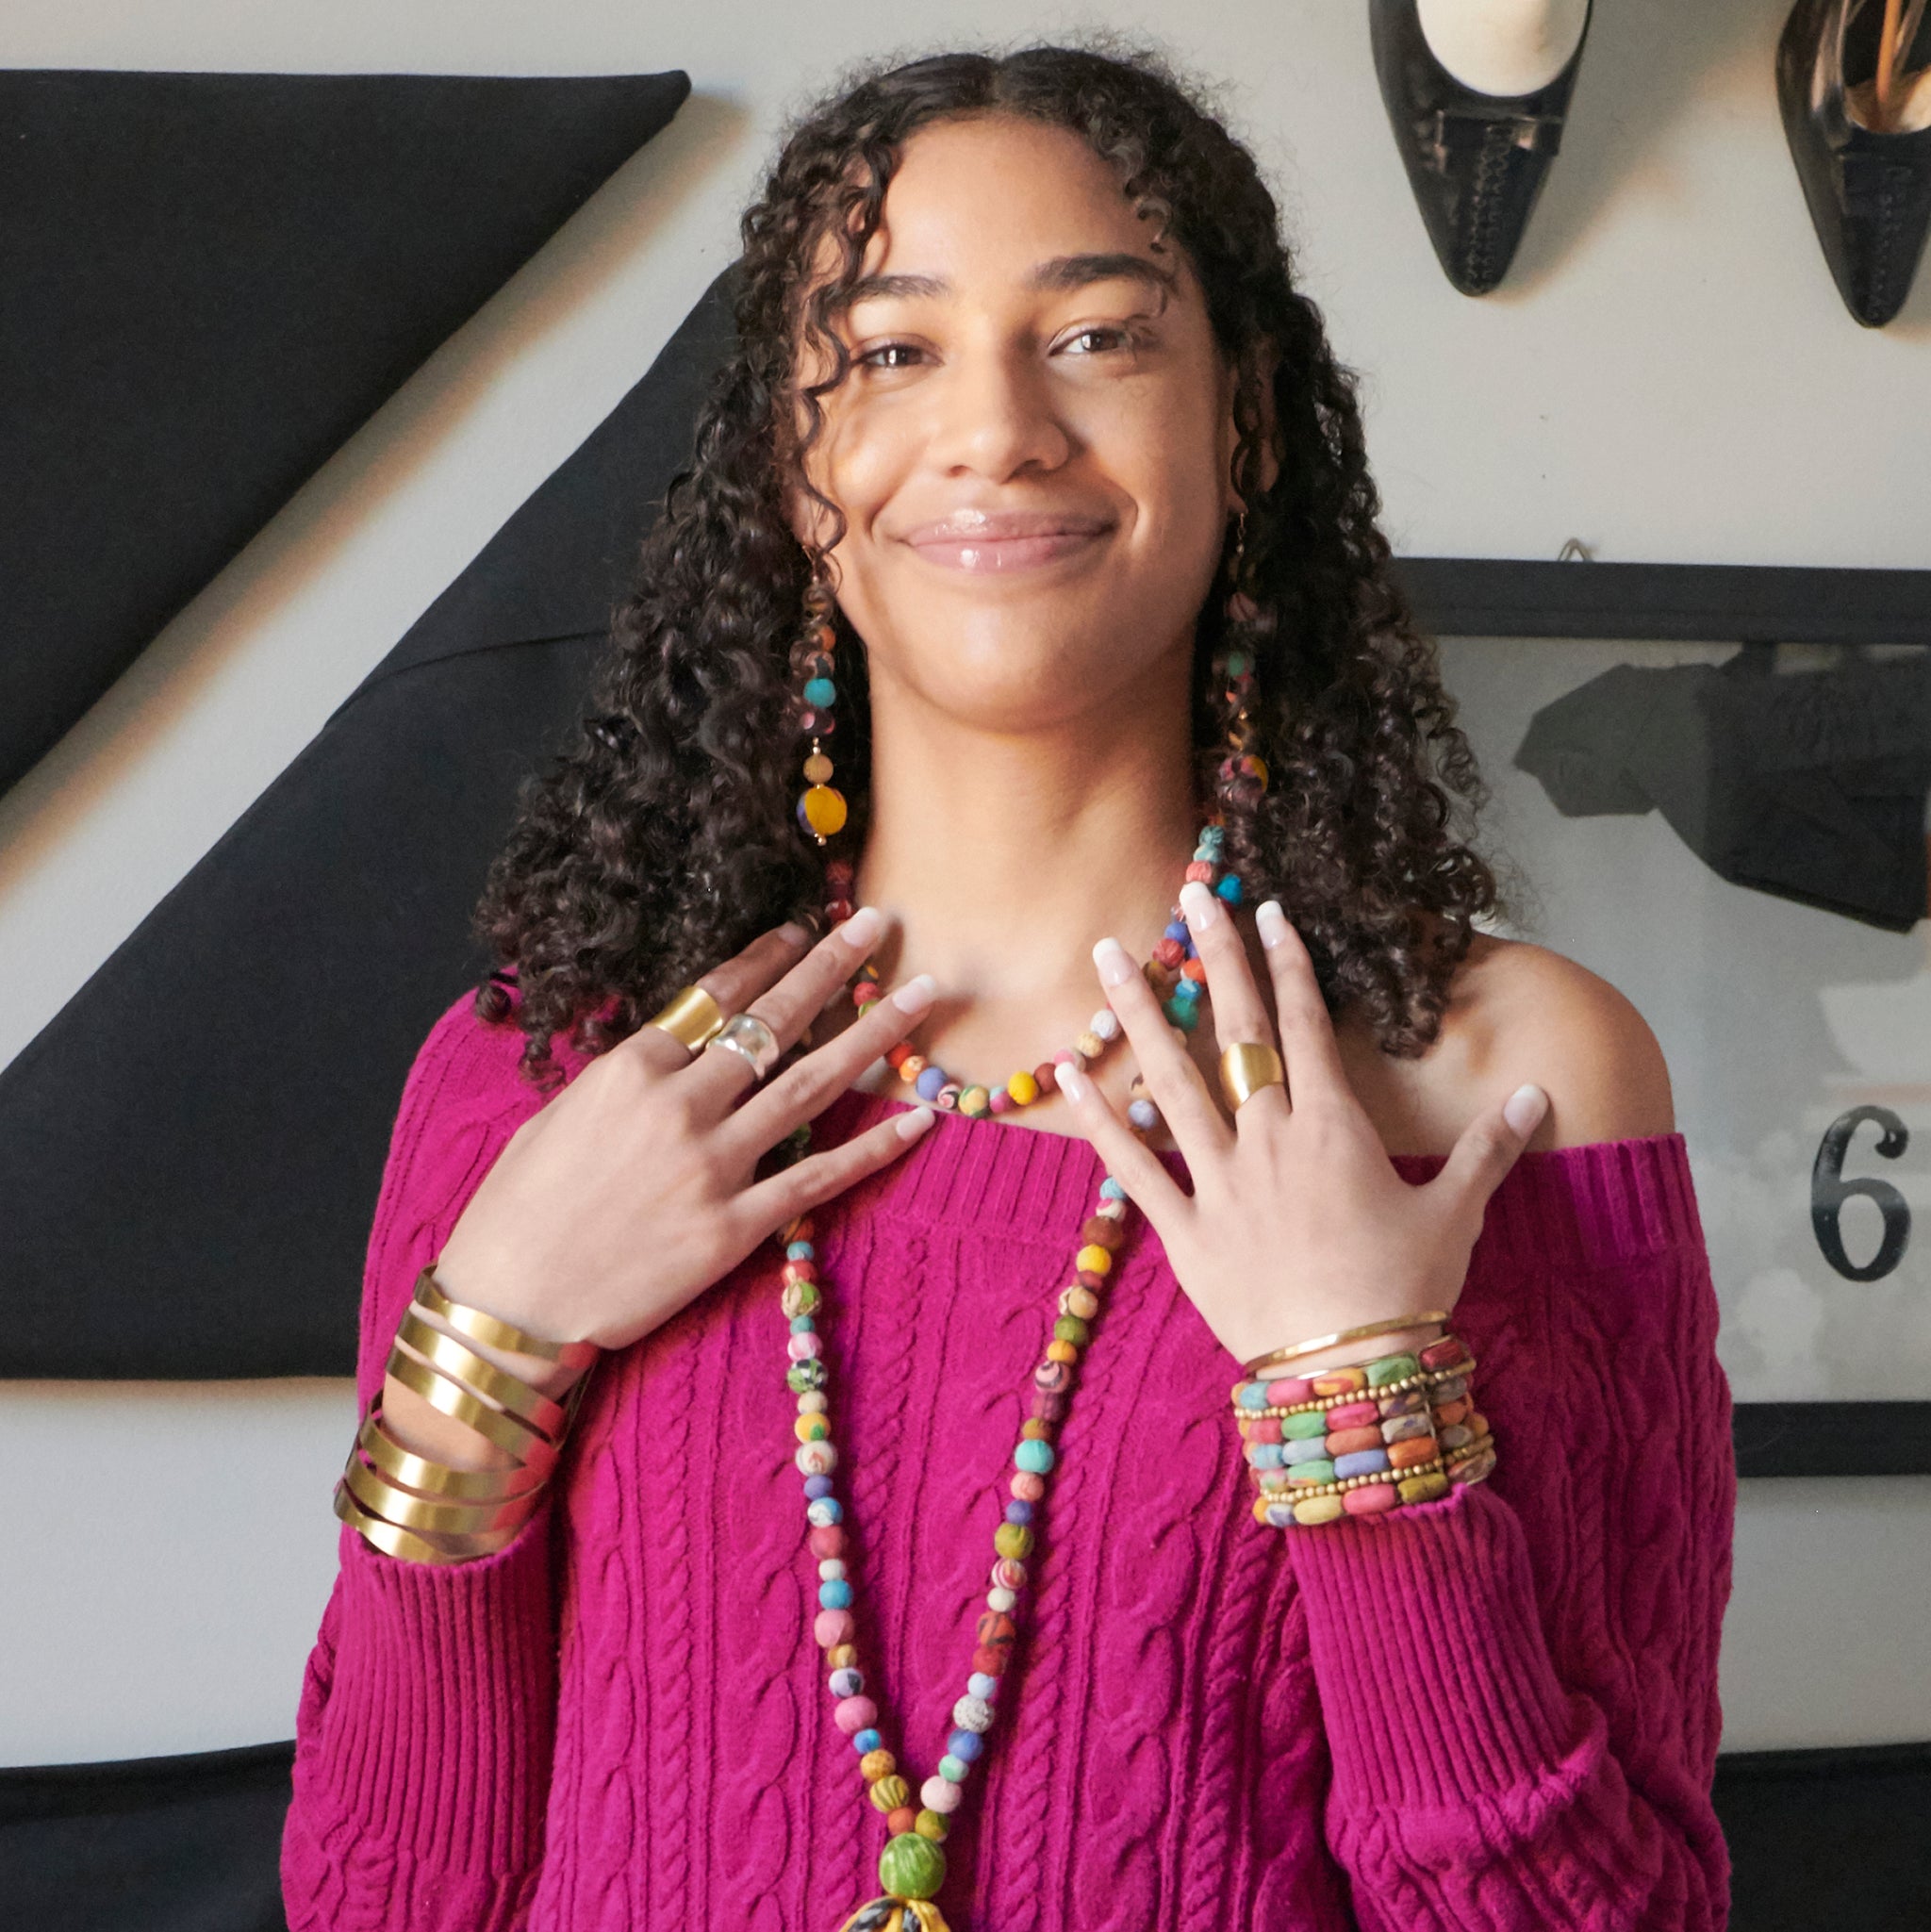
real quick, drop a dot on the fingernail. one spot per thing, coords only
(1114, 963)
(1525, 1107)
(915, 995)
(1071, 1083)
(1271, 921)
(862, 928)
(793, 933)
(1200, 906)
(914, 1123)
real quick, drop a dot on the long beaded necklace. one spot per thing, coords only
(912, 1866)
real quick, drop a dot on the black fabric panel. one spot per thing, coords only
(210, 281)
(191, 1844)
(190, 1149)
(1828, 1838)
(155, 1845)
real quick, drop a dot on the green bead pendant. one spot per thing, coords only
(912, 1866)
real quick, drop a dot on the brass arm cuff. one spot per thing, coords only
(508, 1392)
(396, 1542)
(493, 1333)
(378, 1495)
(441, 1391)
(438, 1478)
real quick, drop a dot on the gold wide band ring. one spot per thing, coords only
(1246, 1069)
(691, 1018)
(752, 1040)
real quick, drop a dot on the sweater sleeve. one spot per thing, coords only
(424, 1727)
(1519, 1682)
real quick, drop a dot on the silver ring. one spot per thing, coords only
(752, 1040)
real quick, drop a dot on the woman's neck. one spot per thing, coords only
(1002, 858)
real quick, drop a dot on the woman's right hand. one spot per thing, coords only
(635, 1188)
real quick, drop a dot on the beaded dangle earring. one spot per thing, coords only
(821, 809)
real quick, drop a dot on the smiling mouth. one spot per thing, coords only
(1002, 555)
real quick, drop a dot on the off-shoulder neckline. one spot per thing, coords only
(861, 1102)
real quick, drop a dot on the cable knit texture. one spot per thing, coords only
(1493, 1712)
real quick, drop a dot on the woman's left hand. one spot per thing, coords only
(1299, 1224)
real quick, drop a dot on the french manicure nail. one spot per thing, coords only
(915, 995)
(1200, 906)
(1271, 922)
(1070, 1082)
(914, 1123)
(1116, 965)
(862, 928)
(1525, 1107)
(793, 933)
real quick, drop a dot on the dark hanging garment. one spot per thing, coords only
(1808, 784)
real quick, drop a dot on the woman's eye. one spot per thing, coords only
(869, 358)
(1122, 336)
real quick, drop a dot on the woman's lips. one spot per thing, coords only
(1006, 553)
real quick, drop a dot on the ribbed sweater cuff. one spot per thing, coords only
(1434, 1675)
(438, 1732)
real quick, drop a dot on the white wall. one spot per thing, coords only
(1668, 375)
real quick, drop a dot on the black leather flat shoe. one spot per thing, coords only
(1476, 161)
(1868, 192)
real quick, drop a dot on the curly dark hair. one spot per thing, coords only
(663, 839)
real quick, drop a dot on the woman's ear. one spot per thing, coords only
(806, 516)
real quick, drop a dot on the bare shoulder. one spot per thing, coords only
(1532, 1014)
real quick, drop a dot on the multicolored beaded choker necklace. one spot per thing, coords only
(912, 1866)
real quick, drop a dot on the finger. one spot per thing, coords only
(810, 1183)
(1128, 1158)
(1196, 1124)
(804, 1089)
(1240, 1015)
(790, 1005)
(1488, 1146)
(739, 980)
(1315, 1074)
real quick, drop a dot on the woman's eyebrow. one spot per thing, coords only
(1056, 275)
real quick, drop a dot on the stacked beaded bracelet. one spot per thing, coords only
(1365, 1437)
(407, 1506)
(912, 1867)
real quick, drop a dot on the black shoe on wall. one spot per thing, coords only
(1476, 161)
(1868, 192)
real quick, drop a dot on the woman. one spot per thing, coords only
(1023, 383)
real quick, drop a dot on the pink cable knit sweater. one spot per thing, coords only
(1495, 1711)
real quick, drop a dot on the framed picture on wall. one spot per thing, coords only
(1709, 784)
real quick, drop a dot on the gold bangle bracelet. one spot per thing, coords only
(438, 1478)
(494, 1332)
(393, 1542)
(1281, 1357)
(381, 1498)
(508, 1393)
(440, 1390)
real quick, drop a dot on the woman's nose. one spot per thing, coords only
(997, 413)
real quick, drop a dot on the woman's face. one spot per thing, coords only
(1034, 448)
